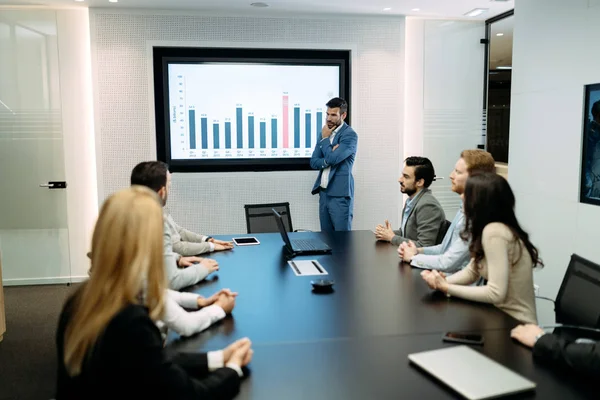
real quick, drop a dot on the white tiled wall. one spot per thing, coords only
(213, 202)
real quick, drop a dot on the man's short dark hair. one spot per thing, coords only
(152, 174)
(338, 102)
(423, 169)
(596, 109)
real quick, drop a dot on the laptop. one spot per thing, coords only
(579, 294)
(470, 373)
(300, 246)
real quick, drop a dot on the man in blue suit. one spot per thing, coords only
(334, 156)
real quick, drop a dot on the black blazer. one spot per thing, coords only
(129, 362)
(582, 358)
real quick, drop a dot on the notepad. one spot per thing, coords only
(307, 267)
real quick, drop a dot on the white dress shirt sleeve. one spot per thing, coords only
(185, 299)
(433, 250)
(188, 323)
(215, 361)
(452, 260)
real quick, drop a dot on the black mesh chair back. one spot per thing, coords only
(578, 299)
(259, 217)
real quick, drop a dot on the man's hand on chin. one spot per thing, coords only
(327, 131)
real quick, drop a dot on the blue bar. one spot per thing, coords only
(204, 127)
(238, 124)
(250, 131)
(216, 136)
(297, 127)
(319, 125)
(192, 121)
(308, 118)
(263, 135)
(273, 133)
(227, 135)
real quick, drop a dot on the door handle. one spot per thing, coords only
(54, 185)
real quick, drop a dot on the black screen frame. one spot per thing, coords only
(162, 56)
(583, 198)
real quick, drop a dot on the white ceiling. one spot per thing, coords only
(427, 8)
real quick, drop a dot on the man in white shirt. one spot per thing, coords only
(181, 271)
(453, 253)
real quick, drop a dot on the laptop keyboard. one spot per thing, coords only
(305, 244)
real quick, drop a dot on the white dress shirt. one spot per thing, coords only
(325, 174)
(451, 255)
(215, 361)
(407, 208)
(186, 323)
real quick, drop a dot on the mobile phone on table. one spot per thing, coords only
(245, 241)
(461, 337)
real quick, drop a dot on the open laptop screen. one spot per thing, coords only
(579, 295)
(281, 226)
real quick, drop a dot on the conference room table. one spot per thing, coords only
(354, 342)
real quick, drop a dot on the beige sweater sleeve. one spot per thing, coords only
(495, 242)
(465, 276)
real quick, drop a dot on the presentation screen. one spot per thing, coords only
(243, 109)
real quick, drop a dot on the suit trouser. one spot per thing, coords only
(335, 212)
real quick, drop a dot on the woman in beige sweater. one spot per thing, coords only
(500, 252)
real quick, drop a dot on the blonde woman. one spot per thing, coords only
(107, 340)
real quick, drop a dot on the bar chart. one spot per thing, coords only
(247, 111)
(309, 130)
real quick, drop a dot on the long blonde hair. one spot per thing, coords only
(128, 268)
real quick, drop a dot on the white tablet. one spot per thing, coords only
(246, 241)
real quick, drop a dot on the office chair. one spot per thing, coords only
(579, 295)
(259, 217)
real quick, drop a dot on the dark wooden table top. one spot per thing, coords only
(352, 343)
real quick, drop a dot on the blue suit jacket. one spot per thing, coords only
(341, 181)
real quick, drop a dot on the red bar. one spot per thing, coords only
(286, 117)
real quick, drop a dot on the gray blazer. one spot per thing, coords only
(424, 222)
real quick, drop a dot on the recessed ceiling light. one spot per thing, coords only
(416, 9)
(259, 4)
(79, 0)
(476, 11)
(387, 9)
(499, 34)
(113, 1)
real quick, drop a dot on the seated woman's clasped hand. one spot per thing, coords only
(436, 280)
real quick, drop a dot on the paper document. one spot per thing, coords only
(307, 267)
